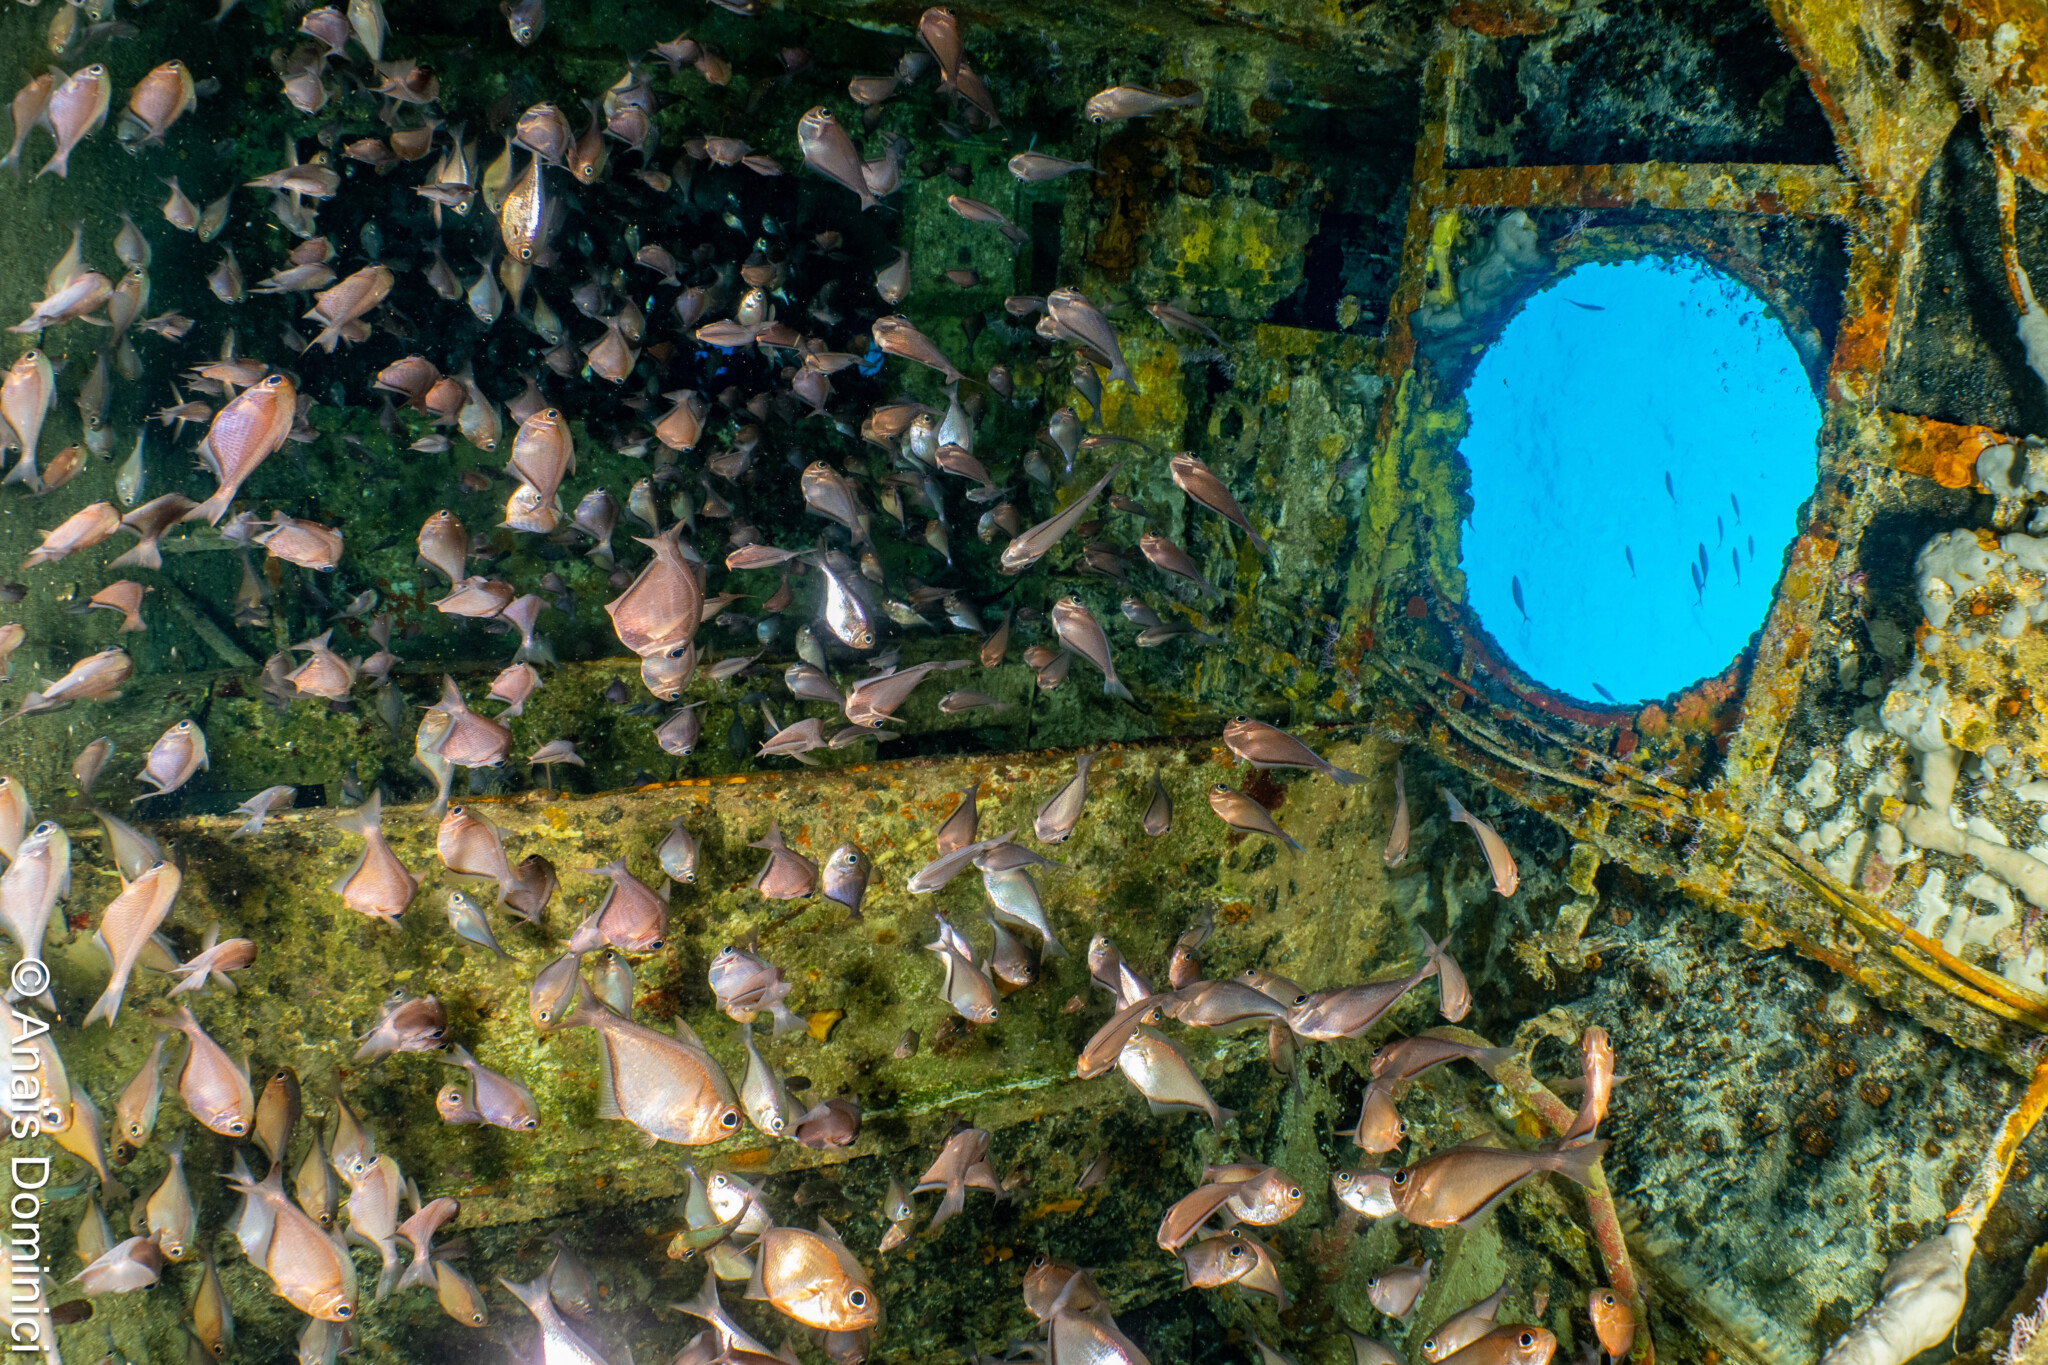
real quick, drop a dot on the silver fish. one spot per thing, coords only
(1056, 819)
(1027, 549)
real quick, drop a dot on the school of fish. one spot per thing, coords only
(736, 343)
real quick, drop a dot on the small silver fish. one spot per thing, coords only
(1056, 819)
(466, 918)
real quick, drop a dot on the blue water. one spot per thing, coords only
(1601, 388)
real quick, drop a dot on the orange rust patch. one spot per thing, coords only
(1942, 451)
(1499, 18)
(752, 1158)
(1055, 1206)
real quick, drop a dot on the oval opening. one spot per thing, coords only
(1641, 438)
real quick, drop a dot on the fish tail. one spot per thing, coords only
(704, 1302)
(214, 508)
(785, 1022)
(1576, 1162)
(954, 1202)
(534, 1293)
(1221, 1117)
(1291, 841)
(1112, 688)
(108, 1006)
(419, 1274)
(1488, 1059)
(1051, 948)
(1434, 956)
(1344, 777)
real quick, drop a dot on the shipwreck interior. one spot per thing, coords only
(1636, 414)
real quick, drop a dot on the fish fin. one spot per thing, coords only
(340, 884)
(419, 1274)
(1458, 811)
(785, 1021)
(1472, 1219)
(1488, 1059)
(533, 1294)
(1290, 841)
(704, 1303)
(108, 1007)
(757, 1289)
(607, 1085)
(954, 1202)
(1575, 1163)
(364, 818)
(1112, 688)
(144, 555)
(1221, 1116)
(1343, 777)
(688, 1036)
(214, 508)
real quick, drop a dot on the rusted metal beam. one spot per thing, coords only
(1725, 187)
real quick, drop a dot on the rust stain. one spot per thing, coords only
(1733, 187)
(1942, 451)
(1500, 18)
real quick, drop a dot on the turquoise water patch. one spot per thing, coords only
(1642, 436)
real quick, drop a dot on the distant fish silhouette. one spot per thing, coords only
(1703, 561)
(1736, 505)
(1589, 307)
(1629, 555)
(1604, 692)
(1515, 586)
(1736, 560)
(1720, 533)
(1669, 489)
(1752, 549)
(1698, 588)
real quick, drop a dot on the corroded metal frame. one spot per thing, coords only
(1570, 762)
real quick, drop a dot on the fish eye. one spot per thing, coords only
(1526, 1340)
(1607, 1300)
(1429, 1346)
(859, 1298)
(477, 1318)
(220, 1350)
(1294, 1191)
(526, 253)
(545, 1015)
(1372, 1284)
(236, 1128)
(1300, 1000)
(1400, 1177)
(1038, 1262)
(729, 1119)
(1343, 1177)
(655, 946)
(1236, 1252)
(344, 1311)
(776, 1125)
(530, 1124)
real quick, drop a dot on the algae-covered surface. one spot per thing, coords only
(1335, 198)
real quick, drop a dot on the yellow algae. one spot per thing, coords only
(819, 1025)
